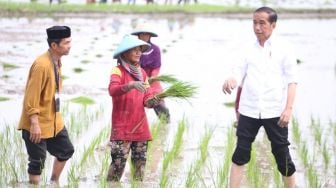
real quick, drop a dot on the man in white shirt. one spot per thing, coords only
(270, 77)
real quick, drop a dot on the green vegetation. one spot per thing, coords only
(229, 104)
(118, 8)
(83, 100)
(4, 98)
(78, 70)
(181, 90)
(163, 78)
(8, 66)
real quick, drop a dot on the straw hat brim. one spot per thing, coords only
(129, 42)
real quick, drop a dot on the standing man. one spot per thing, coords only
(150, 61)
(41, 122)
(267, 97)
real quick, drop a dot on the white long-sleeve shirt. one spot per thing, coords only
(268, 70)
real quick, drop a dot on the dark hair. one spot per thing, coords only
(57, 41)
(272, 15)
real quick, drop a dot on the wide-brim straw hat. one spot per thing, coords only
(129, 42)
(144, 28)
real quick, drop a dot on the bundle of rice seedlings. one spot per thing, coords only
(179, 89)
(163, 78)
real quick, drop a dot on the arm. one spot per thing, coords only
(287, 113)
(35, 85)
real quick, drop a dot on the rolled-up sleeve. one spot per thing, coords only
(35, 85)
(290, 68)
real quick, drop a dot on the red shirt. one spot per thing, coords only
(129, 120)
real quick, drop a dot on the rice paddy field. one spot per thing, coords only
(195, 148)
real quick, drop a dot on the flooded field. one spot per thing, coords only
(200, 135)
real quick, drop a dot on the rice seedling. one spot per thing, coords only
(313, 178)
(317, 131)
(276, 174)
(12, 147)
(78, 70)
(104, 169)
(296, 131)
(9, 66)
(194, 171)
(173, 153)
(85, 61)
(223, 171)
(253, 170)
(99, 55)
(4, 99)
(77, 168)
(229, 104)
(163, 78)
(326, 157)
(181, 90)
(83, 100)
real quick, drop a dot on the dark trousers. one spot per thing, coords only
(248, 129)
(59, 146)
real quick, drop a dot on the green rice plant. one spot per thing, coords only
(303, 153)
(104, 169)
(223, 171)
(191, 181)
(4, 99)
(163, 78)
(229, 104)
(85, 61)
(276, 174)
(296, 131)
(194, 177)
(9, 66)
(317, 132)
(179, 89)
(326, 157)
(253, 170)
(158, 130)
(173, 153)
(12, 147)
(78, 70)
(204, 144)
(83, 100)
(77, 168)
(313, 178)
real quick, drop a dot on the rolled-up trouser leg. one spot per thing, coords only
(246, 132)
(36, 153)
(139, 157)
(279, 142)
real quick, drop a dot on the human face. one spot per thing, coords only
(133, 55)
(63, 47)
(145, 37)
(262, 27)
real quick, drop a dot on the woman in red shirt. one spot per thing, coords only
(130, 94)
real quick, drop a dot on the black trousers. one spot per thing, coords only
(247, 131)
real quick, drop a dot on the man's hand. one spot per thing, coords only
(285, 117)
(35, 130)
(138, 85)
(152, 102)
(229, 85)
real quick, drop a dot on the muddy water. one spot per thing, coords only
(195, 49)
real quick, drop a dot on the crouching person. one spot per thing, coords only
(130, 92)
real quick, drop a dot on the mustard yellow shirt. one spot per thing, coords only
(39, 97)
